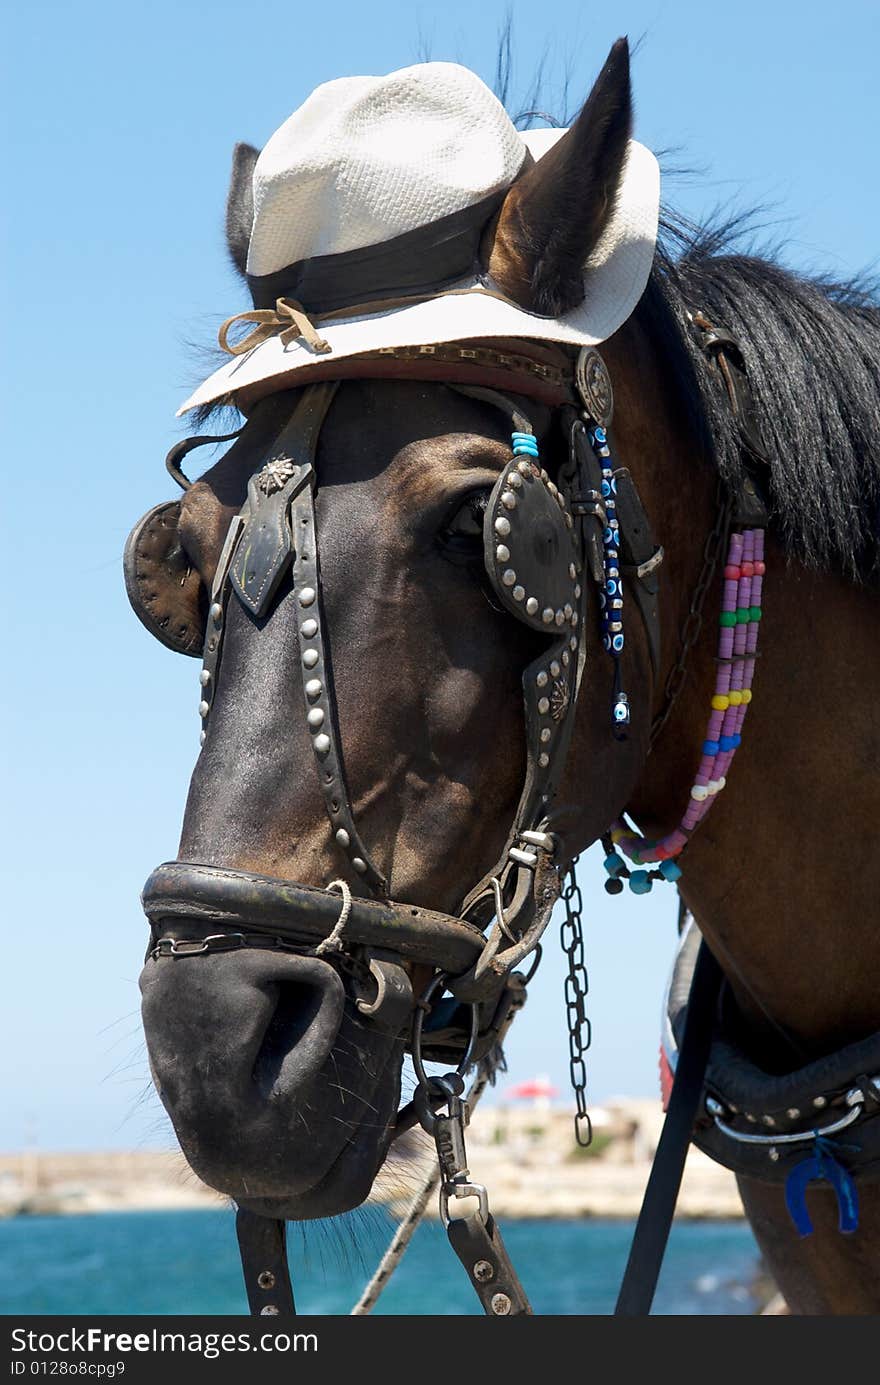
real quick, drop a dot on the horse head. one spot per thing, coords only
(392, 577)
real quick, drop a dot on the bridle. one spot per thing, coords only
(545, 542)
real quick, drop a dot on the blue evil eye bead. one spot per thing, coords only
(617, 646)
(620, 710)
(614, 864)
(605, 488)
(606, 643)
(611, 587)
(669, 870)
(599, 434)
(640, 882)
(608, 536)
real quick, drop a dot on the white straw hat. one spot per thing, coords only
(369, 205)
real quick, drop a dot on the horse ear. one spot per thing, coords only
(240, 205)
(554, 215)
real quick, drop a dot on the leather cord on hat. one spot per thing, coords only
(288, 318)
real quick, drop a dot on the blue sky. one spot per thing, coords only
(119, 123)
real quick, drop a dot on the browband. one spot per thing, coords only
(541, 373)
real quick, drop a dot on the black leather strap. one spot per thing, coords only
(181, 898)
(658, 1206)
(262, 1244)
(481, 1250)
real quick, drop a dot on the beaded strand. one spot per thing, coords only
(737, 651)
(611, 597)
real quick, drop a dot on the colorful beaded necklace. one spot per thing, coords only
(737, 651)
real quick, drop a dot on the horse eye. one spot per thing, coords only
(463, 531)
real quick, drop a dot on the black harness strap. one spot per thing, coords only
(262, 1244)
(658, 1206)
(481, 1250)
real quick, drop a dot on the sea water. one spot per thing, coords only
(187, 1262)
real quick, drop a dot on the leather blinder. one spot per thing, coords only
(166, 592)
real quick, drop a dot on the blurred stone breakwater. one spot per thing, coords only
(525, 1153)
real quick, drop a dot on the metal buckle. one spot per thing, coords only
(459, 1191)
(650, 564)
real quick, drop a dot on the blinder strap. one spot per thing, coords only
(586, 498)
(264, 552)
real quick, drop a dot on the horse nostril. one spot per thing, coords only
(302, 1030)
(250, 1025)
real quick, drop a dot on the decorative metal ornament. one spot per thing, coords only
(276, 474)
(559, 699)
(594, 386)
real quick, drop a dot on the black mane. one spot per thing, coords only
(812, 349)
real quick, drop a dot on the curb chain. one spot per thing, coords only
(577, 985)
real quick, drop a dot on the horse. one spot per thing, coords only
(282, 1088)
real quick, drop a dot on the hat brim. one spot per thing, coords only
(615, 277)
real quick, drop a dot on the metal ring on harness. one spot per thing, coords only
(450, 1085)
(421, 1008)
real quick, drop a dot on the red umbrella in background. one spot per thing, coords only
(533, 1087)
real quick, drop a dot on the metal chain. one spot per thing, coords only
(414, 1212)
(693, 624)
(577, 985)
